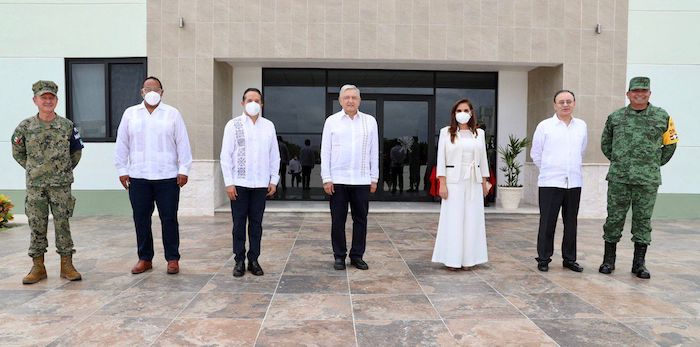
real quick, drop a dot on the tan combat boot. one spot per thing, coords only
(37, 273)
(67, 270)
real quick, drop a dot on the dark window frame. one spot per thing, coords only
(69, 62)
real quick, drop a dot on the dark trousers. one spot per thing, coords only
(283, 175)
(296, 179)
(551, 199)
(414, 176)
(306, 176)
(247, 209)
(166, 195)
(397, 177)
(358, 197)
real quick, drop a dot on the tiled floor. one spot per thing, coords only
(403, 299)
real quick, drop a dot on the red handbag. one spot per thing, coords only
(434, 183)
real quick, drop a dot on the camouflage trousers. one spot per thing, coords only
(642, 199)
(37, 204)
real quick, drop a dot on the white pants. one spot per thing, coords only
(461, 236)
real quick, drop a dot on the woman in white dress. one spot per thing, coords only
(462, 169)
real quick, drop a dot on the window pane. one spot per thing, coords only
(483, 100)
(296, 109)
(382, 81)
(125, 90)
(88, 99)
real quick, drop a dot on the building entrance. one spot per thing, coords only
(404, 147)
(410, 107)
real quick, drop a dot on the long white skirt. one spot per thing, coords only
(461, 235)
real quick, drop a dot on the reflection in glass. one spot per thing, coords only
(295, 109)
(404, 147)
(88, 99)
(296, 147)
(125, 90)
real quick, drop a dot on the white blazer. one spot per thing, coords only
(449, 157)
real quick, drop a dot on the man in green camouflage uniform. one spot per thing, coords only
(638, 140)
(48, 147)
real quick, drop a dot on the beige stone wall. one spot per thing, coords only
(554, 37)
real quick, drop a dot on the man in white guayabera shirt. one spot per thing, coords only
(350, 171)
(153, 158)
(250, 163)
(557, 149)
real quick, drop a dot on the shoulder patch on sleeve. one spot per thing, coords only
(670, 136)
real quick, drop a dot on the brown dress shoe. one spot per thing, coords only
(173, 267)
(141, 266)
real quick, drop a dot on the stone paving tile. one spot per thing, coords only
(498, 332)
(393, 307)
(307, 333)
(326, 307)
(302, 284)
(402, 300)
(228, 305)
(113, 331)
(591, 332)
(403, 333)
(667, 331)
(209, 332)
(474, 305)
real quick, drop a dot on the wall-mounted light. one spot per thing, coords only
(181, 22)
(598, 28)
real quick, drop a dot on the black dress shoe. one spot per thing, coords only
(239, 269)
(359, 263)
(255, 268)
(339, 264)
(543, 266)
(573, 266)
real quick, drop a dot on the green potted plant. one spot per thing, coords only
(511, 192)
(5, 211)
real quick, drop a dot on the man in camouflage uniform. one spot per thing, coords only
(48, 147)
(638, 140)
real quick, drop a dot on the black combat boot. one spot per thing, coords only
(638, 268)
(608, 259)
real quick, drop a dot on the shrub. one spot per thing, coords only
(5, 210)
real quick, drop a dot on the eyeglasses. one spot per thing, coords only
(149, 89)
(565, 102)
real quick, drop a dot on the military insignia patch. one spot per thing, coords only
(17, 140)
(670, 136)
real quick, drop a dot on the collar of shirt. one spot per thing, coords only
(561, 122)
(249, 120)
(142, 106)
(357, 115)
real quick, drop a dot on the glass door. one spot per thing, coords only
(404, 123)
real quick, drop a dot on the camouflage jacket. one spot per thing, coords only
(638, 144)
(47, 151)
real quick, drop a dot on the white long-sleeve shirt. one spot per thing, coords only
(154, 145)
(557, 150)
(350, 149)
(250, 156)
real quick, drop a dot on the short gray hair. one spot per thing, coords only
(349, 87)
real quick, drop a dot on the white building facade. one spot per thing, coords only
(411, 60)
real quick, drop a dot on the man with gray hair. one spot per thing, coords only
(350, 171)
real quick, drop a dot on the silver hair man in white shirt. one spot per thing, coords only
(557, 149)
(250, 163)
(349, 169)
(153, 158)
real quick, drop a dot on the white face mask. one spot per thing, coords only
(463, 117)
(252, 108)
(152, 98)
